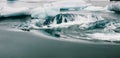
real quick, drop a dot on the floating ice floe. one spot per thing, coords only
(7, 11)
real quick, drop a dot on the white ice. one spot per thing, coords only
(70, 3)
(43, 12)
(106, 36)
(48, 9)
(95, 8)
(53, 9)
(78, 20)
(7, 11)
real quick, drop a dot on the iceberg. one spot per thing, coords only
(66, 20)
(81, 26)
(61, 17)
